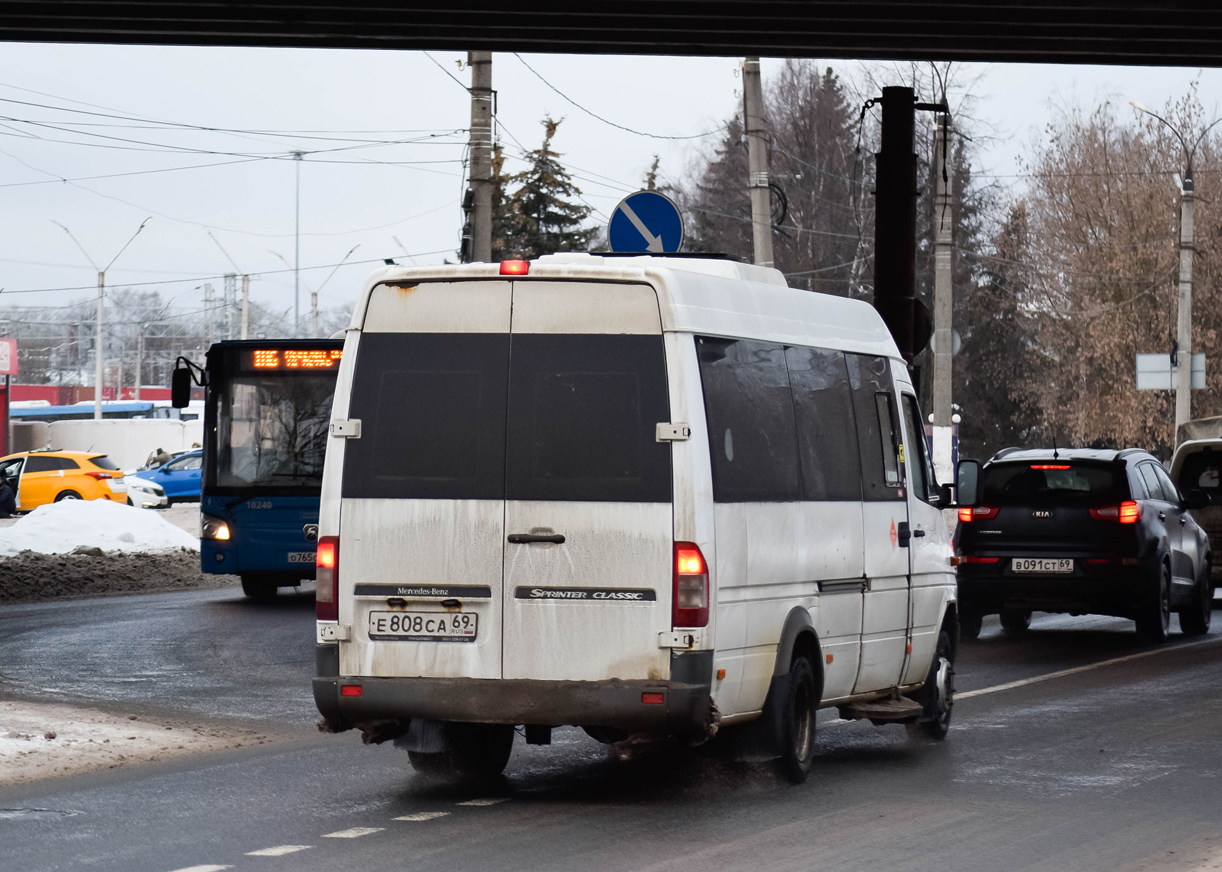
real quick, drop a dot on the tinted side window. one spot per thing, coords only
(1150, 477)
(36, 463)
(870, 380)
(583, 416)
(432, 413)
(752, 434)
(827, 434)
(915, 448)
(1170, 492)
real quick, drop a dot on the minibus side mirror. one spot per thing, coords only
(967, 477)
(180, 388)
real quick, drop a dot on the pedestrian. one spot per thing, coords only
(8, 500)
(160, 457)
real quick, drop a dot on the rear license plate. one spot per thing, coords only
(301, 557)
(423, 626)
(1041, 565)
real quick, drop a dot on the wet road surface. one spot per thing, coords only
(1115, 767)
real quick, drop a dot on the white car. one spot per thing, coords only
(144, 494)
(641, 495)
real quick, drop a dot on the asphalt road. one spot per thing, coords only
(1109, 767)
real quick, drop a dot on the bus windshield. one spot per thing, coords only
(272, 430)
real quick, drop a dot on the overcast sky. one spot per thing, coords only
(357, 190)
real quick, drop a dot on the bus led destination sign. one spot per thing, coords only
(296, 358)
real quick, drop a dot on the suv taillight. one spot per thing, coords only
(326, 574)
(967, 514)
(691, 589)
(1128, 512)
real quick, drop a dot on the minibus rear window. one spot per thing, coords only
(432, 413)
(583, 416)
(1203, 471)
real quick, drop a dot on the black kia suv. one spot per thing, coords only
(1082, 531)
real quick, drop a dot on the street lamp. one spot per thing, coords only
(1183, 343)
(97, 378)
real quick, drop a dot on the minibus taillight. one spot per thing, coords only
(691, 595)
(326, 574)
(967, 514)
(1128, 512)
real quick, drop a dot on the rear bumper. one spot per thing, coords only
(611, 703)
(1107, 590)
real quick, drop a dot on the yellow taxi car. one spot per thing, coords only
(41, 477)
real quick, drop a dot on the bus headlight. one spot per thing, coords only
(212, 527)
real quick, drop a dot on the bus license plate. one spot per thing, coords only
(1041, 565)
(423, 626)
(301, 557)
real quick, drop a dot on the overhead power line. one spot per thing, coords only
(608, 122)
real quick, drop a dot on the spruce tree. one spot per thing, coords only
(539, 217)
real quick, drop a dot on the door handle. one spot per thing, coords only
(1162, 516)
(1183, 522)
(918, 532)
(527, 538)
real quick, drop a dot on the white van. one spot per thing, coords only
(640, 495)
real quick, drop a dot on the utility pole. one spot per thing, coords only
(208, 322)
(245, 287)
(98, 352)
(1183, 320)
(757, 162)
(297, 156)
(943, 294)
(140, 359)
(480, 63)
(314, 294)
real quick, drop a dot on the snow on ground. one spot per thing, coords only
(64, 527)
(39, 740)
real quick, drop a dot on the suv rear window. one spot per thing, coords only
(103, 462)
(1044, 482)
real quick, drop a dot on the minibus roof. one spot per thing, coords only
(708, 296)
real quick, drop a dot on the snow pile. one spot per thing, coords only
(91, 525)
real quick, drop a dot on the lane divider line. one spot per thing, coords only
(479, 803)
(423, 816)
(207, 867)
(278, 850)
(1010, 685)
(354, 833)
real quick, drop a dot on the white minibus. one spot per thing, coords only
(645, 496)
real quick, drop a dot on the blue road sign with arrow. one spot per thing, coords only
(646, 222)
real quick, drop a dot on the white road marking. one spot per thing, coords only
(278, 851)
(354, 833)
(484, 802)
(423, 816)
(1010, 685)
(204, 868)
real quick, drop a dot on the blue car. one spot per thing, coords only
(179, 479)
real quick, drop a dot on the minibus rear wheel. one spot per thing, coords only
(258, 587)
(476, 751)
(798, 721)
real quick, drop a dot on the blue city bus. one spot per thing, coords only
(266, 416)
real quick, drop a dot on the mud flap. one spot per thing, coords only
(762, 739)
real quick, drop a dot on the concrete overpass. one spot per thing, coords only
(1161, 32)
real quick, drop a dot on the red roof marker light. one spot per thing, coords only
(515, 267)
